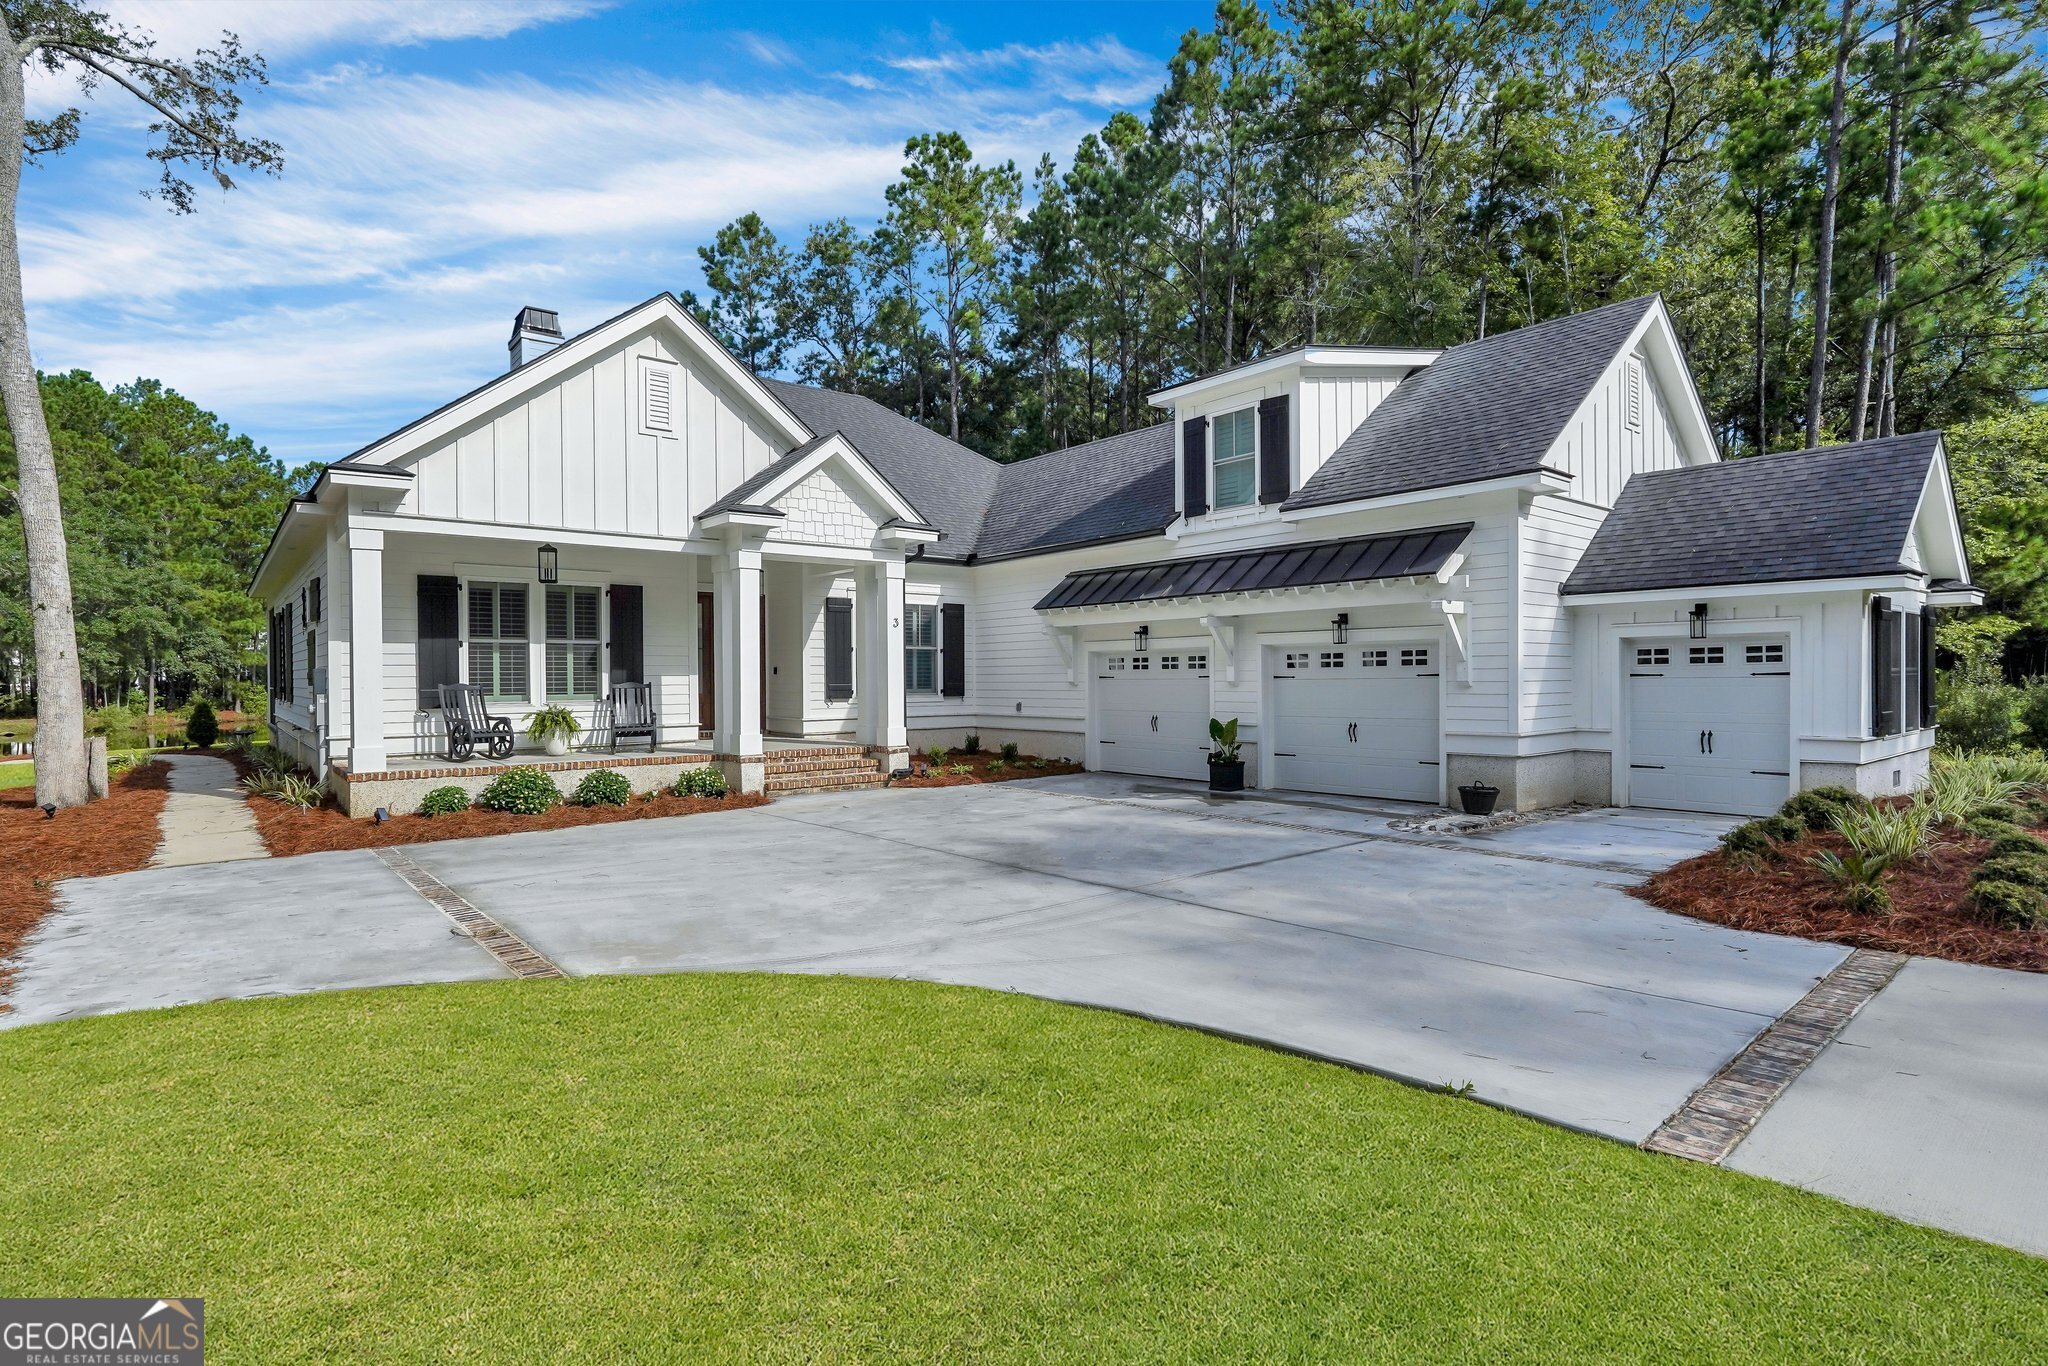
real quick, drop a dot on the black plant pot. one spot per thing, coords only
(1226, 776)
(1478, 798)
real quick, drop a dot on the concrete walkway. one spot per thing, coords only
(206, 819)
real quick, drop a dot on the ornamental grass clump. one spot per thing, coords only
(1880, 838)
(1963, 786)
(603, 788)
(522, 792)
(444, 801)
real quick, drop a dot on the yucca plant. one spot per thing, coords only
(1858, 877)
(1896, 834)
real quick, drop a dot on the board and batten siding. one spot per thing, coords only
(578, 454)
(1601, 447)
(1333, 404)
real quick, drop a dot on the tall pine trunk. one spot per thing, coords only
(1824, 252)
(1888, 266)
(60, 691)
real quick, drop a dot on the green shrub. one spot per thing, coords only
(444, 801)
(1975, 713)
(522, 791)
(1748, 840)
(961, 770)
(2019, 842)
(995, 765)
(2010, 905)
(1816, 809)
(204, 727)
(1010, 752)
(271, 759)
(2020, 869)
(935, 755)
(2033, 711)
(972, 744)
(603, 788)
(1783, 828)
(1992, 828)
(1893, 834)
(297, 791)
(1858, 879)
(2005, 813)
(706, 781)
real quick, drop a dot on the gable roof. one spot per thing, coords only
(1109, 490)
(758, 492)
(1487, 409)
(1835, 512)
(948, 484)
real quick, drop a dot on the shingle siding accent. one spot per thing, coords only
(1486, 410)
(1836, 512)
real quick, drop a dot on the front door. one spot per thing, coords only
(707, 661)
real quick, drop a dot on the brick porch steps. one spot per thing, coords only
(795, 784)
(838, 769)
(851, 763)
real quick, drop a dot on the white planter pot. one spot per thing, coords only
(557, 745)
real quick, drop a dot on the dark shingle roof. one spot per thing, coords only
(1107, 490)
(1484, 410)
(948, 484)
(1835, 512)
(1355, 560)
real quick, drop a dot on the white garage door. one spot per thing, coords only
(1152, 714)
(1710, 725)
(1360, 720)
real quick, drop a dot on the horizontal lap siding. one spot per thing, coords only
(300, 716)
(1485, 705)
(1554, 535)
(940, 584)
(574, 455)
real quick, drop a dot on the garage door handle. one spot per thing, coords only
(1638, 765)
(1771, 773)
(1710, 742)
(1703, 742)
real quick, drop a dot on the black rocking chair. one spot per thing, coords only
(470, 723)
(628, 712)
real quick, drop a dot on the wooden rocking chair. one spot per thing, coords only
(470, 723)
(628, 712)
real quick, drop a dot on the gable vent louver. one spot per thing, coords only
(658, 386)
(1632, 395)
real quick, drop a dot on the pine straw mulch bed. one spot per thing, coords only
(1786, 894)
(923, 775)
(287, 830)
(114, 835)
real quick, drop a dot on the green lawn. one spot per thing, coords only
(20, 773)
(661, 1167)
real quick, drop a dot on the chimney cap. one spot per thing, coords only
(545, 321)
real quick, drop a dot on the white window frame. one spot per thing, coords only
(1216, 504)
(911, 610)
(469, 587)
(547, 642)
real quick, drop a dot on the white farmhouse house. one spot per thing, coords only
(1519, 561)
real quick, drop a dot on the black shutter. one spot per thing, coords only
(1909, 673)
(1927, 668)
(1194, 466)
(953, 649)
(838, 649)
(627, 652)
(273, 652)
(1275, 457)
(286, 677)
(319, 612)
(440, 659)
(1884, 668)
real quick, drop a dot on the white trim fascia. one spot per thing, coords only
(405, 524)
(1540, 484)
(818, 552)
(836, 447)
(1949, 524)
(1416, 591)
(1782, 588)
(353, 476)
(740, 517)
(547, 369)
(295, 512)
(1392, 358)
(1964, 597)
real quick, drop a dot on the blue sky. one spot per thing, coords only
(448, 162)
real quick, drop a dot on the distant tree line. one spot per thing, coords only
(167, 513)
(1845, 203)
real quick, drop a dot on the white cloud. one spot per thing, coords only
(377, 277)
(292, 28)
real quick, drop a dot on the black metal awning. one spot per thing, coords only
(1394, 556)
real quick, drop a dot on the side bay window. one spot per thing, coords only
(1234, 447)
(573, 643)
(497, 640)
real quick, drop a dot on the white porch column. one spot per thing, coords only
(881, 688)
(366, 650)
(736, 725)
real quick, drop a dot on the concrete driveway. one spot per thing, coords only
(1512, 962)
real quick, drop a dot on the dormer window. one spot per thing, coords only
(1235, 457)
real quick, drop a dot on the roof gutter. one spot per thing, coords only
(1902, 581)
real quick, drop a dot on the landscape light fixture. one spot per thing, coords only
(1699, 621)
(1142, 636)
(1340, 628)
(548, 570)
(49, 811)
(382, 814)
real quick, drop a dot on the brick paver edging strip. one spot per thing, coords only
(1721, 1113)
(519, 958)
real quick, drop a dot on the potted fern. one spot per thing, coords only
(1226, 764)
(553, 727)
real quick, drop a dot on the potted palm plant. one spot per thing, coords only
(1226, 767)
(553, 727)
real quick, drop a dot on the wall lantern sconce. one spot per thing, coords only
(1340, 628)
(1142, 636)
(1699, 620)
(548, 570)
